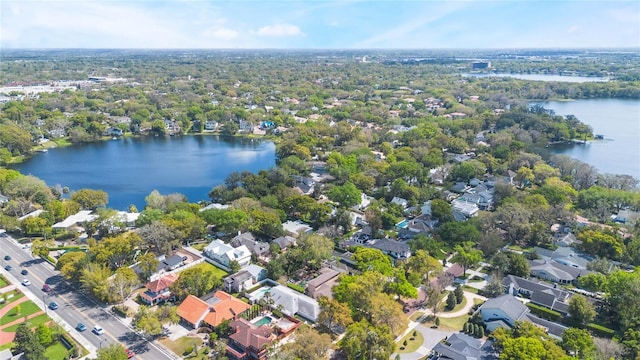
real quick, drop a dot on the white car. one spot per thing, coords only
(26, 282)
(98, 330)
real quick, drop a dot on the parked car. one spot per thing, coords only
(26, 282)
(53, 305)
(81, 327)
(46, 288)
(8, 267)
(7, 257)
(24, 272)
(130, 353)
(98, 330)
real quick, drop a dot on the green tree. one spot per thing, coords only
(466, 256)
(308, 344)
(90, 199)
(518, 265)
(579, 343)
(459, 232)
(333, 314)
(95, 279)
(27, 342)
(195, 281)
(362, 341)
(44, 334)
(112, 352)
(71, 263)
(451, 301)
(368, 259)
(148, 264)
(581, 310)
(123, 282)
(347, 195)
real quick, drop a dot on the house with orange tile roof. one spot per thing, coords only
(222, 306)
(158, 290)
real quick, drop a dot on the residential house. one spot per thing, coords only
(249, 341)
(539, 293)
(238, 282)
(75, 220)
(285, 242)
(171, 263)
(245, 279)
(223, 254)
(396, 249)
(323, 283)
(400, 201)
(304, 184)
(158, 290)
(460, 346)
(257, 248)
(222, 306)
(295, 228)
(556, 272)
(565, 255)
(465, 209)
(505, 310)
(294, 303)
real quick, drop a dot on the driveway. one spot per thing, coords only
(431, 338)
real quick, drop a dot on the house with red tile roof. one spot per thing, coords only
(249, 341)
(158, 290)
(222, 306)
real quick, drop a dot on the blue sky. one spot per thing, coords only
(318, 24)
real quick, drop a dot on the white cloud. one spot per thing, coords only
(221, 33)
(280, 30)
(573, 29)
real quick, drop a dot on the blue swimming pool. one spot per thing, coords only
(402, 224)
(264, 321)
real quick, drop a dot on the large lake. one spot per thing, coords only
(542, 77)
(618, 120)
(129, 169)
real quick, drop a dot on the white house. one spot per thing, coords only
(75, 219)
(223, 253)
(294, 303)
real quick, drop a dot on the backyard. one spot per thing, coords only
(184, 343)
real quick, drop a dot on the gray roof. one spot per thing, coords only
(553, 328)
(390, 245)
(241, 275)
(557, 270)
(460, 347)
(533, 286)
(507, 303)
(285, 241)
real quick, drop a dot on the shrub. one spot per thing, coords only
(188, 351)
(404, 343)
(415, 333)
(437, 322)
(481, 332)
(476, 329)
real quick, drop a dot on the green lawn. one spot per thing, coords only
(16, 295)
(199, 247)
(179, 346)
(33, 322)
(56, 351)
(412, 345)
(208, 267)
(470, 289)
(416, 315)
(26, 308)
(3, 281)
(456, 323)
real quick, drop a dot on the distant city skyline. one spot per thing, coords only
(349, 24)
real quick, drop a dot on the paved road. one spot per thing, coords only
(74, 307)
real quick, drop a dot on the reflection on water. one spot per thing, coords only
(129, 169)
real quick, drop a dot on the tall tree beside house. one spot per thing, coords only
(90, 199)
(581, 310)
(333, 314)
(362, 341)
(466, 256)
(28, 343)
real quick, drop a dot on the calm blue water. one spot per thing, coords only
(543, 77)
(129, 169)
(618, 120)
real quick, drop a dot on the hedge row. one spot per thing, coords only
(544, 313)
(601, 330)
(296, 287)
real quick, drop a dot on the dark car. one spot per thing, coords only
(46, 288)
(53, 305)
(8, 267)
(24, 272)
(81, 327)
(7, 257)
